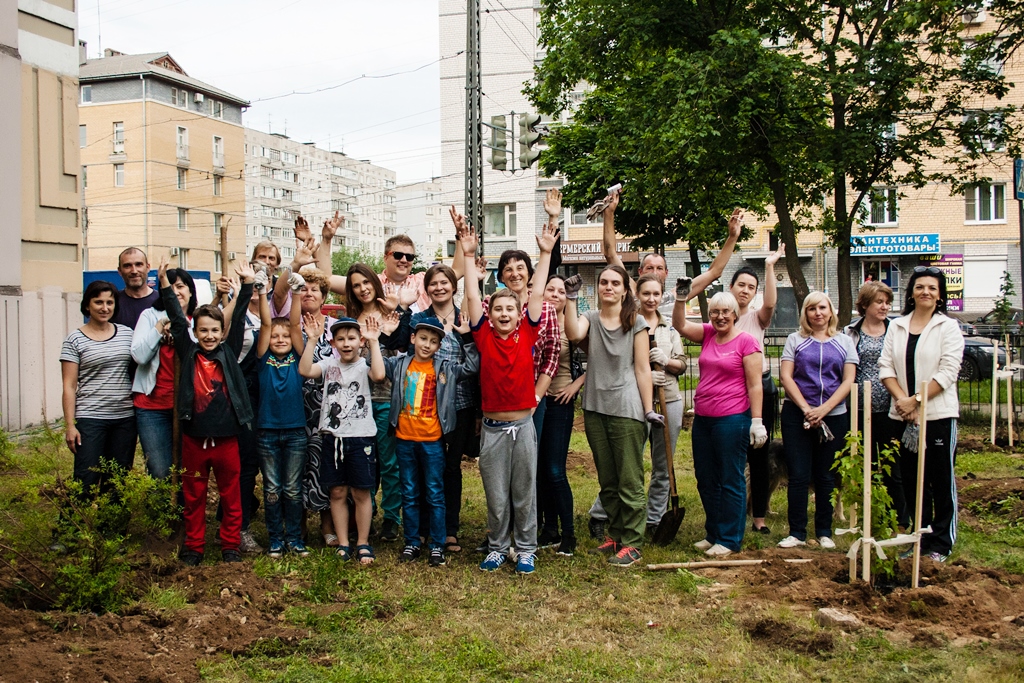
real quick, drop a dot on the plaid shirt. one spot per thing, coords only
(467, 393)
(548, 346)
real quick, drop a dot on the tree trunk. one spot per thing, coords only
(843, 222)
(702, 299)
(793, 266)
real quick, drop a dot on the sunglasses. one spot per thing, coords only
(929, 270)
(402, 256)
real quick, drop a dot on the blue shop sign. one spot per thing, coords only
(894, 245)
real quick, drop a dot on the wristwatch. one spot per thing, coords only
(917, 397)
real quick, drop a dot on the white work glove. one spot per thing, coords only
(758, 433)
(659, 356)
(296, 282)
(260, 281)
(659, 378)
(655, 419)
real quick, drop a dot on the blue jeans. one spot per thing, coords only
(808, 459)
(111, 441)
(719, 461)
(282, 454)
(156, 436)
(421, 463)
(554, 496)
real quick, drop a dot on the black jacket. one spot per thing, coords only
(226, 353)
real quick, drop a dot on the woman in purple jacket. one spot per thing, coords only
(818, 368)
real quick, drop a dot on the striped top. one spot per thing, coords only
(104, 388)
(818, 366)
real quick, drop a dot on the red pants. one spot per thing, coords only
(198, 456)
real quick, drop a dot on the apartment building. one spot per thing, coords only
(285, 178)
(421, 215)
(162, 163)
(40, 230)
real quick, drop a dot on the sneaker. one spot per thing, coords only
(609, 547)
(389, 530)
(597, 528)
(702, 544)
(493, 561)
(276, 549)
(908, 553)
(191, 558)
(409, 553)
(937, 557)
(249, 545)
(230, 556)
(567, 547)
(826, 542)
(299, 549)
(436, 557)
(525, 563)
(717, 550)
(791, 542)
(651, 529)
(548, 539)
(626, 557)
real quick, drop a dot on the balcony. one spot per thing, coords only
(182, 153)
(218, 161)
(118, 147)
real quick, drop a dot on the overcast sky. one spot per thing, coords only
(260, 49)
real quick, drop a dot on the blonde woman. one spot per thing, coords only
(818, 369)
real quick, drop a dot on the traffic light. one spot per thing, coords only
(499, 144)
(528, 137)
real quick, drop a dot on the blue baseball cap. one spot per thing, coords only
(430, 323)
(342, 323)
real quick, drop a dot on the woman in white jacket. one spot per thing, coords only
(925, 345)
(153, 386)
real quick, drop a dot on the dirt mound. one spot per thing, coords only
(775, 634)
(229, 610)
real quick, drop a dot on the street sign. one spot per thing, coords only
(1018, 179)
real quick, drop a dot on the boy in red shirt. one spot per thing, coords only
(508, 440)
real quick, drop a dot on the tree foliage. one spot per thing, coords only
(697, 106)
(343, 259)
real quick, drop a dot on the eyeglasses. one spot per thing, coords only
(720, 314)
(402, 256)
(930, 270)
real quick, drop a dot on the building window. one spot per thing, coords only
(85, 177)
(82, 136)
(218, 151)
(118, 137)
(500, 220)
(182, 146)
(118, 175)
(183, 258)
(882, 207)
(218, 220)
(579, 217)
(217, 107)
(182, 219)
(983, 130)
(179, 97)
(985, 204)
(87, 93)
(218, 185)
(217, 262)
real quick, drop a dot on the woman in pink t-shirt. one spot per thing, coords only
(728, 419)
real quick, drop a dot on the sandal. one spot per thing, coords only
(344, 553)
(331, 540)
(365, 552)
(453, 546)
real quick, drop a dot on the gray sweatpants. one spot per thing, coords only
(657, 494)
(508, 468)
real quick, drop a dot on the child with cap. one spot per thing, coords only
(422, 410)
(348, 457)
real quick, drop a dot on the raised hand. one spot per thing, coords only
(461, 324)
(683, 288)
(223, 285)
(467, 237)
(370, 328)
(481, 268)
(236, 285)
(458, 220)
(553, 202)
(408, 294)
(296, 282)
(774, 258)
(331, 227)
(572, 286)
(161, 272)
(302, 231)
(313, 325)
(245, 271)
(612, 203)
(305, 252)
(259, 283)
(391, 300)
(548, 237)
(736, 222)
(389, 323)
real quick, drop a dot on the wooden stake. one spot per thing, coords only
(919, 507)
(224, 248)
(710, 564)
(866, 524)
(995, 387)
(853, 452)
(1009, 393)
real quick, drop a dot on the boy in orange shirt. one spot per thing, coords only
(422, 409)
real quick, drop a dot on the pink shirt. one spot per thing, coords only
(722, 389)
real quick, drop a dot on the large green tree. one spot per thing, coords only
(701, 104)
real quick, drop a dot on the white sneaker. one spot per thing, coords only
(791, 542)
(717, 550)
(702, 544)
(826, 543)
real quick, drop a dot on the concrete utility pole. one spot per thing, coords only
(474, 201)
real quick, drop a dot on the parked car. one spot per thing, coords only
(988, 326)
(977, 361)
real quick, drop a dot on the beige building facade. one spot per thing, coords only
(40, 232)
(162, 161)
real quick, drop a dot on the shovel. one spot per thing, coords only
(673, 518)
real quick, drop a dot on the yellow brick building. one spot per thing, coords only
(162, 160)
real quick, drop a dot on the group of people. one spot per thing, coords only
(391, 397)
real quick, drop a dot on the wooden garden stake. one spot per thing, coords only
(995, 387)
(865, 562)
(919, 507)
(853, 453)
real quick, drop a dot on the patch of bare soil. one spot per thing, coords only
(775, 634)
(231, 610)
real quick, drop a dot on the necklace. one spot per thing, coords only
(445, 318)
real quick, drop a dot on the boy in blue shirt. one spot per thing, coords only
(281, 424)
(422, 410)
